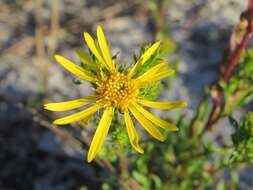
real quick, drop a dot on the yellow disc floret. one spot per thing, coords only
(117, 90)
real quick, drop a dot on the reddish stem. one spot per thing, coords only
(232, 55)
(250, 4)
(230, 68)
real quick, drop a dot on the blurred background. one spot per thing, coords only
(37, 155)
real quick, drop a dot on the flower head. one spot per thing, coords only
(115, 90)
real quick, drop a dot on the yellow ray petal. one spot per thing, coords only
(163, 105)
(163, 74)
(77, 116)
(156, 120)
(152, 71)
(75, 69)
(68, 105)
(148, 126)
(104, 48)
(86, 59)
(101, 133)
(92, 46)
(156, 77)
(147, 54)
(133, 136)
(150, 51)
(135, 68)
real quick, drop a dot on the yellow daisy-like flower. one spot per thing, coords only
(115, 90)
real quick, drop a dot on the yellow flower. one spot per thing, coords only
(115, 90)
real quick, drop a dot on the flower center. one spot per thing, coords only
(117, 90)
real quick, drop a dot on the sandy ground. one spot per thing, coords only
(33, 157)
